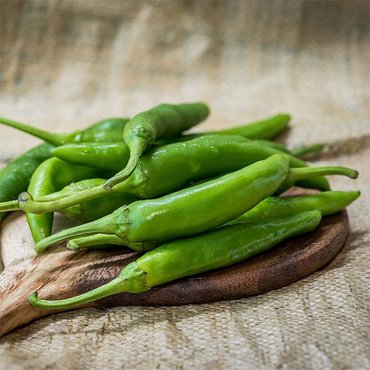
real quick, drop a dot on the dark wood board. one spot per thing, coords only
(64, 273)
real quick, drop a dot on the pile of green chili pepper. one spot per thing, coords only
(189, 203)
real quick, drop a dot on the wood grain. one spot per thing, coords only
(63, 273)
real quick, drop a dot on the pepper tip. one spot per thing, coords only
(33, 299)
(72, 245)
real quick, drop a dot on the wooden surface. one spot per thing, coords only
(63, 274)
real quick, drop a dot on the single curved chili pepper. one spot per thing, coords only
(50, 176)
(315, 183)
(106, 130)
(114, 156)
(193, 160)
(264, 129)
(180, 258)
(15, 176)
(162, 121)
(189, 211)
(327, 202)
(97, 208)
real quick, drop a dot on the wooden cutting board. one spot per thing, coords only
(62, 273)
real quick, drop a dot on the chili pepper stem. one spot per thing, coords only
(126, 172)
(131, 279)
(103, 225)
(11, 205)
(28, 204)
(302, 173)
(94, 241)
(51, 138)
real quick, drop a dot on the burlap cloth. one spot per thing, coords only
(65, 64)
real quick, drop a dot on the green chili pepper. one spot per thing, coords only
(264, 129)
(188, 211)
(15, 176)
(105, 130)
(97, 241)
(97, 208)
(114, 156)
(180, 258)
(327, 202)
(162, 121)
(303, 150)
(50, 176)
(201, 158)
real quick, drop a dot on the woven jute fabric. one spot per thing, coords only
(65, 64)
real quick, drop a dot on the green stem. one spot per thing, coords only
(43, 205)
(103, 225)
(115, 286)
(307, 173)
(126, 172)
(131, 279)
(11, 205)
(302, 173)
(94, 241)
(49, 137)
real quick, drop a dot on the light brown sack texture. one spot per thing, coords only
(66, 64)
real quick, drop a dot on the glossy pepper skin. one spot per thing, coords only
(114, 156)
(194, 160)
(264, 129)
(50, 176)
(146, 180)
(106, 130)
(162, 121)
(190, 211)
(180, 258)
(327, 202)
(15, 176)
